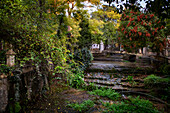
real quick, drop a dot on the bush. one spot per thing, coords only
(84, 106)
(76, 80)
(4, 69)
(2, 57)
(133, 105)
(111, 94)
(83, 57)
(153, 80)
(165, 69)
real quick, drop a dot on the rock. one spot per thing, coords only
(132, 58)
(3, 94)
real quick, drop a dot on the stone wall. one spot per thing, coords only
(3, 94)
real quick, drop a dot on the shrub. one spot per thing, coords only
(4, 69)
(111, 94)
(133, 105)
(153, 80)
(2, 57)
(84, 106)
(76, 80)
(83, 57)
(166, 69)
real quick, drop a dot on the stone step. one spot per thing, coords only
(101, 82)
(116, 87)
(126, 84)
(108, 59)
(112, 78)
(120, 88)
(113, 82)
(136, 80)
(96, 77)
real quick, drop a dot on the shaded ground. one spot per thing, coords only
(56, 101)
(60, 95)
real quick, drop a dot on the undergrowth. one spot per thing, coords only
(133, 105)
(82, 107)
(111, 94)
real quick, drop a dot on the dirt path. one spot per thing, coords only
(56, 101)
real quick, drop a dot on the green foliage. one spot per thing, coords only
(90, 87)
(2, 57)
(131, 80)
(165, 69)
(83, 57)
(17, 108)
(76, 80)
(139, 30)
(85, 40)
(134, 105)
(4, 69)
(111, 94)
(153, 80)
(82, 107)
(110, 19)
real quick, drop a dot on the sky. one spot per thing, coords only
(92, 9)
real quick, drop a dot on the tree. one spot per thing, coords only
(111, 22)
(139, 30)
(160, 8)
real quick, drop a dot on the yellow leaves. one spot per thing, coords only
(113, 15)
(95, 26)
(74, 28)
(95, 2)
(117, 25)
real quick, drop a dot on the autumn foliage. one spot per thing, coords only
(141, 30)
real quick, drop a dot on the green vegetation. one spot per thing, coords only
(138, 30)
(156, 81)
(77, 80)
(55, 38)
(82, 107)
(111, 94)
(165, 69)
(83, 57)
(133, 105)
(4, 69)
(90, 87)
(131, 80)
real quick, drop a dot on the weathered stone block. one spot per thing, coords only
(3, 94)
